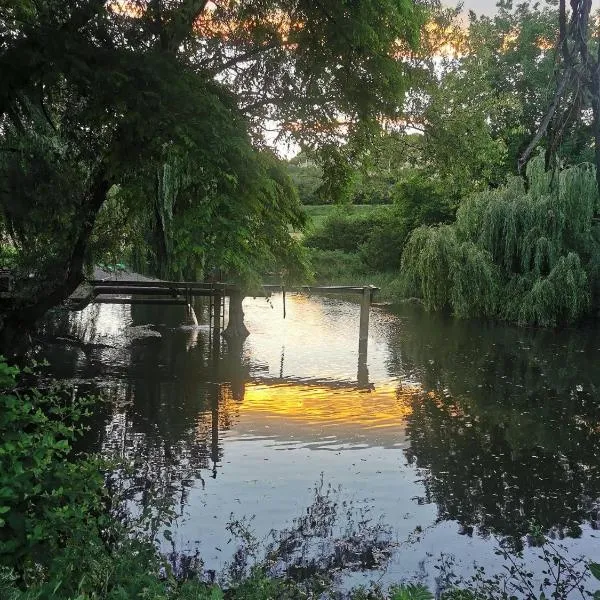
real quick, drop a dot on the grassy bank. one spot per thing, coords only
(344, 244)
(336, 267)
(318, 213)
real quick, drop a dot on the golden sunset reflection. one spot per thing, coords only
(302, 412)
(383, 406)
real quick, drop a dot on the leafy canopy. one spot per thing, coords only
(160, 107)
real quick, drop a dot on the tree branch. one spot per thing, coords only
(543, 128)
(232, 62)
(183, 22)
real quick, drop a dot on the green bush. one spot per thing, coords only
(417, 201)
(423, 201)
(524, 255)
(46, 502)
(57, 536)
(379, 236)
(345, 232)
(382, 250)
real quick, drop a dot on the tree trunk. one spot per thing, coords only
(19, 317)
(235, 327)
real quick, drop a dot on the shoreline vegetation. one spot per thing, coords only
(66, 534)
(527, 252)
(337, 260)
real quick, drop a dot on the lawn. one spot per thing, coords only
(317, 213)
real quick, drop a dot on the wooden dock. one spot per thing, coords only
(149, 291)
(124, 291)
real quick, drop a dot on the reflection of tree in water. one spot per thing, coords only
(480, 474)
(169, 397)
(510, 433)
(169, 446)
(181, 396)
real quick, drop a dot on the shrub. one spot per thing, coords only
(343, 231)
(417, 201)
(57, 536)
(379, 237)
(46, 502)
(525, 255)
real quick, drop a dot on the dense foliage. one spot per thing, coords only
(377, 237)
(525, 255)
(479, 93)
(240, 227)
(523, 250)
(307, 177)
(137, 126)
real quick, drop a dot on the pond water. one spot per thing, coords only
(459, 435)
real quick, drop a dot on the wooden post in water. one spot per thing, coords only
(363, 336)
(363, 340)
(217, 314)
(216, 341)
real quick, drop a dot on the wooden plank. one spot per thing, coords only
(146, 291)
(130, 300)
(324, 289)
(191, 285)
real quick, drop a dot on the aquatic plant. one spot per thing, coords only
(525, 252)
(562, 577)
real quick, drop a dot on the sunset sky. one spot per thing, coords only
(479, 6)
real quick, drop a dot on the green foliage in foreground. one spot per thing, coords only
(44, 499)
(524, 254)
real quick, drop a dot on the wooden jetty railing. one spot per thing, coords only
(366, 292)
(121, 291)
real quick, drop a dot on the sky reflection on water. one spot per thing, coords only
(466, 432)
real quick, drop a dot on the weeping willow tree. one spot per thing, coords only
(527, 252)
(237, 222)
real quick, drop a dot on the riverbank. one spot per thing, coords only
(336, 267)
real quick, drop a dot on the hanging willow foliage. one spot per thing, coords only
(527, 252)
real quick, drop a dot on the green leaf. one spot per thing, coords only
(595, 570)
(411, 592)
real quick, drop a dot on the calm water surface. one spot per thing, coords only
(461, 435)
